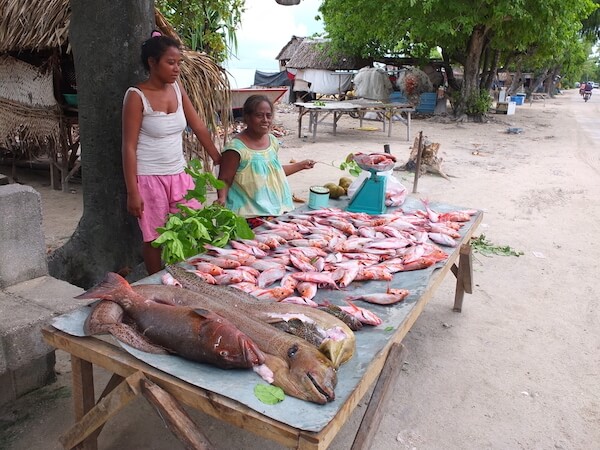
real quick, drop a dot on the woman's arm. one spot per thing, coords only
(230, 161)
(131, 125)
(290, 169)
(199, 128)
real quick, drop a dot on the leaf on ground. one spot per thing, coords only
(482, 245)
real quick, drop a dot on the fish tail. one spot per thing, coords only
(113, 287)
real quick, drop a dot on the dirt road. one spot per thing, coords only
(519, 367)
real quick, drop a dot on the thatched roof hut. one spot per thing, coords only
(34, 40)
(288, 51)
(319, 54)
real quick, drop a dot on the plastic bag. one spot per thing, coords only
(395, 192)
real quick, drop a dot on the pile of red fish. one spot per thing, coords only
(290, 259)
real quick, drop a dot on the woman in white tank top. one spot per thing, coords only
(155, 113)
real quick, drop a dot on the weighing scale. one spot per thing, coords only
(370, 196)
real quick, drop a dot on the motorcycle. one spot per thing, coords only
(587, 95)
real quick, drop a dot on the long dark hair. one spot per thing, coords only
(155, 47)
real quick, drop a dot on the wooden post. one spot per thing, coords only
(176, 419)
(418, 167)
(372, 418)
(83, 393)
(464, 276)
(104, 410)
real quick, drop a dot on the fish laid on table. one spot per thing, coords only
(297, 367)
(340, 345)
(193, 333)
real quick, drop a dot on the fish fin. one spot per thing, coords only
(107, 288)
(203, 312)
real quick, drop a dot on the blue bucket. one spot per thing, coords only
(318, 197)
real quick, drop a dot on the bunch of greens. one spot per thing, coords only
(482, 245)
(186, 232)
(351, 166)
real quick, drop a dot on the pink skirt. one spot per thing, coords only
(161, 194)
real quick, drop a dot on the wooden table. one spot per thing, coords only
(356, 108)
(87, 351)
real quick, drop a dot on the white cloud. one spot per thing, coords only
(267, 26)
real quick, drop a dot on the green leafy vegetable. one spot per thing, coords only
(319, 103)
(389, 329)
(351, 166)
(482, 245)
(186, 231)
(269, 394)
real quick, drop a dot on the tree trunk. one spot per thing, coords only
(493, 70)
(470, 85)
(106, 38)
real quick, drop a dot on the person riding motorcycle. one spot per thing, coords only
(588, 88)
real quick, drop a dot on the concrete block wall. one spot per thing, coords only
(29, 298)
(22, 247)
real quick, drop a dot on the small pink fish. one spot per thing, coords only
(306, 289)
(391, 297)
(250, 249)
(373, 273)
(275, 294)
(168, 280)
(241, 256)
(442, 239)
(224, 263)
(457, 216)
(288, 282)
(302, 263)
(322, 279)
(433, 216)
(270, 276)
(363, 315)
(349, 271)
(209, 268)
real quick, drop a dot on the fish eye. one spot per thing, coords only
(293, 350)
(224, 353)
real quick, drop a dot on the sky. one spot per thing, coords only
(265, 28)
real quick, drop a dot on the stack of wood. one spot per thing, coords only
(430, 161)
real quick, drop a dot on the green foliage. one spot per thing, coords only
(351, 166)
(269, 394)
(206, 25)
(482, 245)
(539, 32)
(186, 232)
(478, 103)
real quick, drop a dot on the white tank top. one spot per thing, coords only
(160, 143)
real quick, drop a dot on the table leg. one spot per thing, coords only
(300, 114)
(408, 126)
(464, 275)
(336, 116)
(372, 418)
(391, 119)
(83, 394)
(314, 114)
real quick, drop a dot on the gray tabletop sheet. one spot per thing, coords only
(239, 384)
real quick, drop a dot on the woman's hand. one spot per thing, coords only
(135, 205)
(306, 164)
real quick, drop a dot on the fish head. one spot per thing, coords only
(314, 374)
(229, 346)
(306, 383)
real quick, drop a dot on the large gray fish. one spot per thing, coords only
(338, 342)
(193, 333)
(298, 368)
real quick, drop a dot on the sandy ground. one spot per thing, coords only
(518, 368)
